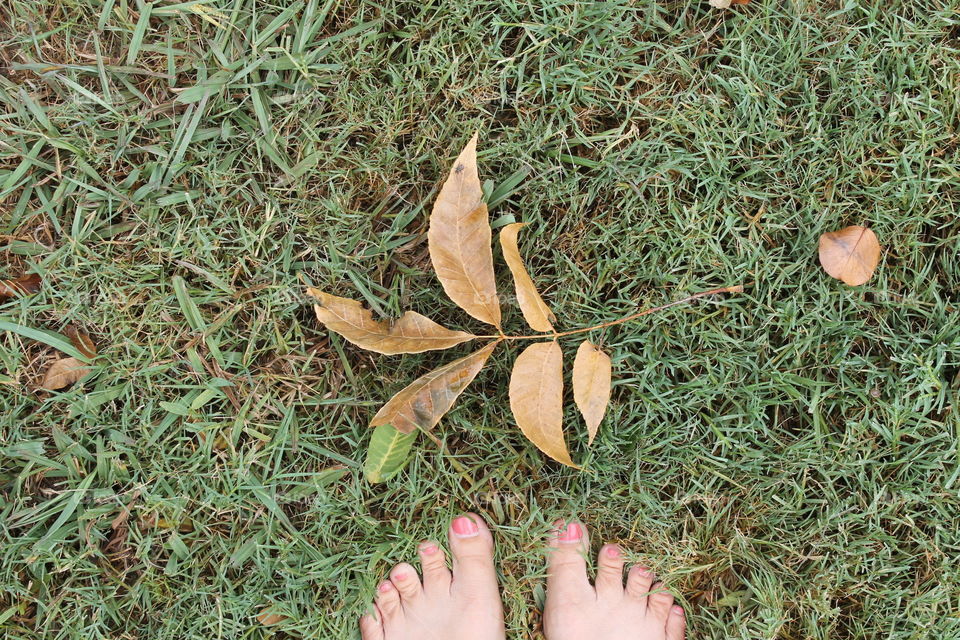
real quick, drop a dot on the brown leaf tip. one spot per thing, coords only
(24, 285)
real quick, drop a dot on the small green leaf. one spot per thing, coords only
(734, 598)
(387, 453)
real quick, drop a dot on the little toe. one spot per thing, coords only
(566, 565)
(471, 546)
(407, 582)
(433, 564)
(388, 603)
(676, 624)
(609, 581)
(371, 629)
(659, 602)
(639, 581)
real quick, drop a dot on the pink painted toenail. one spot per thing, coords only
(572, 533)
(400, 577)
(428, 548)
(678, 611)
(613, 551)
(385, 587)
(465, 527)
(644, 571)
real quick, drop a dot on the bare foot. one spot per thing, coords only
(465, 605)
(577, 610)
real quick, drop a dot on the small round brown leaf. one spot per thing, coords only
(851, 254)
(268, 617)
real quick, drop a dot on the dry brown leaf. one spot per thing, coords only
(26, 284)
(66, 371)
(412, 333)
(459, 240)
(535, 311)
(81, 341)
(851, 254)
(592, 375)
(536, 398)
(267, 617)
(63, 373)
(422, 403)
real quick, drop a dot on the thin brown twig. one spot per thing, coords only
(738, 288)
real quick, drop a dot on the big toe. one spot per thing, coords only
(471, 547)
(567, 565)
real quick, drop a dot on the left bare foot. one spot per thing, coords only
(464, 604)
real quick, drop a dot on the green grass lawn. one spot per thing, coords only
(177, 172)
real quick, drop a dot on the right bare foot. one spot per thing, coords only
(577, 610)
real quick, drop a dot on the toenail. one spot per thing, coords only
(613, 551)
(572, 533)
(678, 611)
(465, 527)
(400, 577)
(428, 548)
(644, 571)
(386, 586)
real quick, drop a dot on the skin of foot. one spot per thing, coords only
(639, 608)
(462, 603)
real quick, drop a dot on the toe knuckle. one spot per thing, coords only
(475, 559)
(567, 562)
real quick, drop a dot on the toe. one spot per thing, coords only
(433, 563)
(471, 546)
(676, 624)
(659, 602)
(610, 572)
(371, 629)
(405, 579)
(388, 603)
(639, 581)
(567, 566)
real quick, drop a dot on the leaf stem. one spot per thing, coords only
(738, 288)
